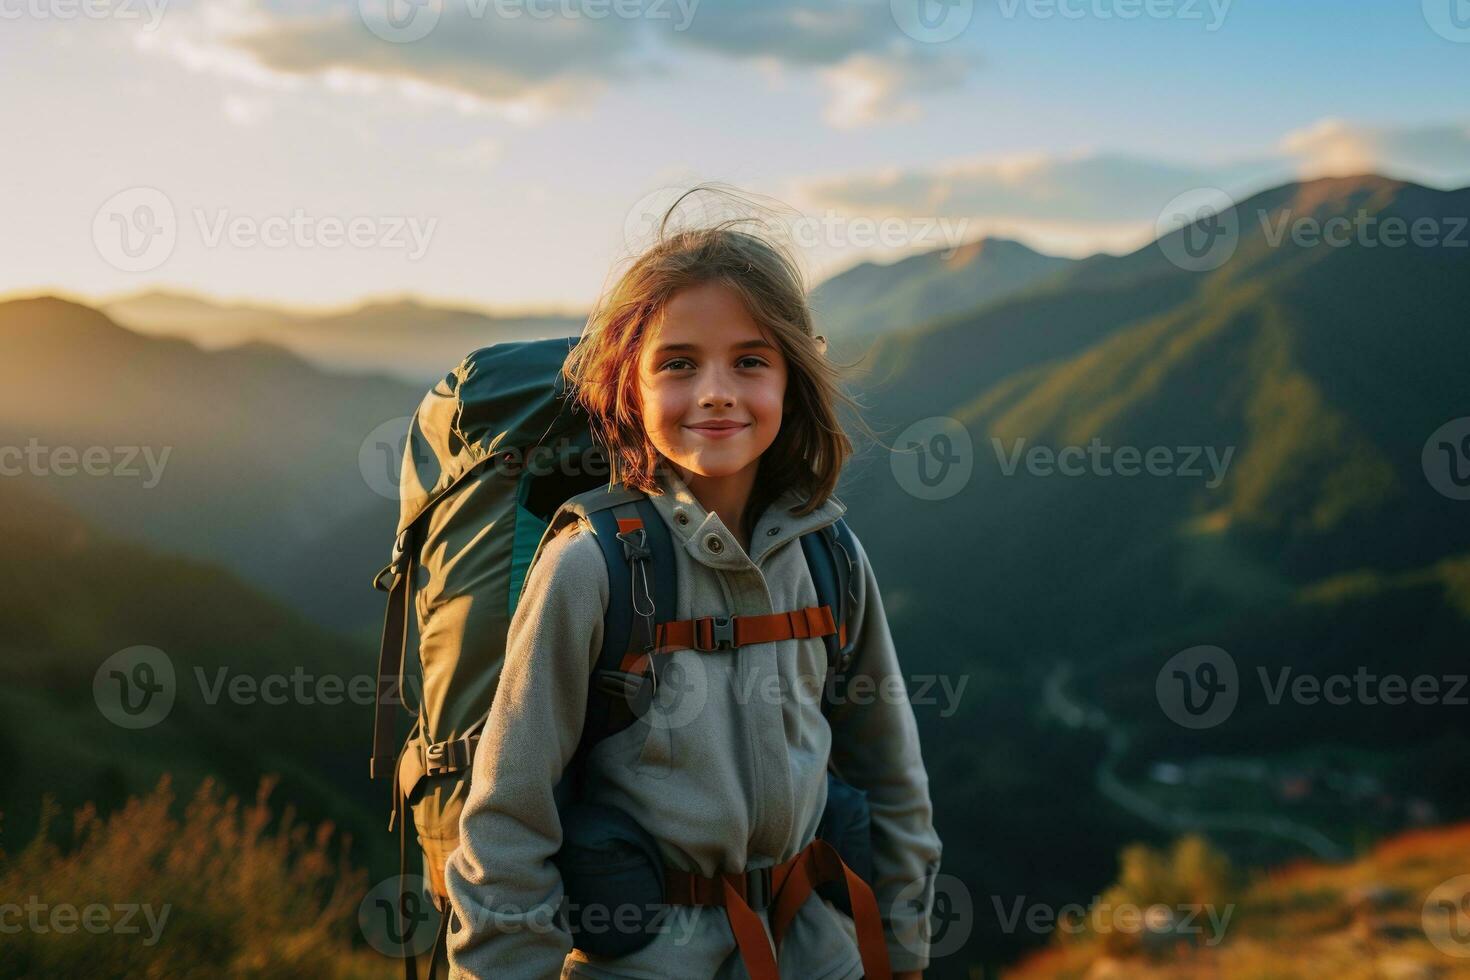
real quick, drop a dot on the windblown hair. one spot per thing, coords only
(602, 370)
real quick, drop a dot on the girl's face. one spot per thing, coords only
(710, 383)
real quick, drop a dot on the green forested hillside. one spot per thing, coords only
(1314, 375)
(71, 597)
(255, 452)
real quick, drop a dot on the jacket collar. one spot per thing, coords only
(693, 526)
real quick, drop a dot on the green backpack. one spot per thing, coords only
(495, 454)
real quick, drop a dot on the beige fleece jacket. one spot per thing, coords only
(727, 769)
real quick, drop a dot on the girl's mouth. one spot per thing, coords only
(718, 430)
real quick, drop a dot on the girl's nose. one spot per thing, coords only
(717, 391)
(713, 399)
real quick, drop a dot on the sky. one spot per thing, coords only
(507, 154)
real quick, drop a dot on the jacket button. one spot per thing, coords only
(713, 544)
(773, 532)
(681, 517)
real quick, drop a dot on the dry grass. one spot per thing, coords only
(225, 890)
(1364, 920)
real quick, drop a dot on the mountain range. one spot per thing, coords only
(406, 338)
(1286, 504)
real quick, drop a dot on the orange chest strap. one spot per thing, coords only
(711, 634)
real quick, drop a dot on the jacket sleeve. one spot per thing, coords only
(875, 747)
(504, 892)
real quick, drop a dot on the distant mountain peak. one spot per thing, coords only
(57, 313)
(987, 249)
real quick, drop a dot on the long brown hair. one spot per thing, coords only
(811, 447)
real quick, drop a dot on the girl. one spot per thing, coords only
(703, 378)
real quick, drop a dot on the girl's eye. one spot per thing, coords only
(750, 360)
(677, 364)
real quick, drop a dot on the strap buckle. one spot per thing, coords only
(758, 888)
(635, 545)
(721, 634)
(387, 577)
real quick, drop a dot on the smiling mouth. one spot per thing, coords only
(718, 430)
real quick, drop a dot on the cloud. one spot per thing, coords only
(1086, 187)
(1333, 147)
(524, 58)
(866, 88)
(872, 72)
(244, 111)
(1079, 202)
(535, 65)
(478, 155)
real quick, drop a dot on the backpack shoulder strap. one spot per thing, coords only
(829, 556)
(396, 579)
(642, 592)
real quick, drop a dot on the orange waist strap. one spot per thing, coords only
(782, 890)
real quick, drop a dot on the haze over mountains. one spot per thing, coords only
(1291, 517)
(870, 299)
(406, 338)
(418, 341)
(259, 450)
